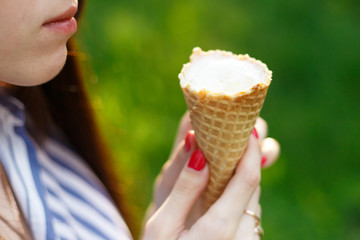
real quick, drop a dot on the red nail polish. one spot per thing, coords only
(263, 160)
(197, 161)
(254, 132)
(187, 145)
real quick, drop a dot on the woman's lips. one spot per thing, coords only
(64, 23)
(66, 26)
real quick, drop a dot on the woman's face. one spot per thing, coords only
(33, 36)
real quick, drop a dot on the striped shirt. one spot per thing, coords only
(59, 195)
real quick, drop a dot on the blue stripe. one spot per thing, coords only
(76, 194)
(91, 227)
(35, 169)
(64, 165)
(81, 221)
(60, 218)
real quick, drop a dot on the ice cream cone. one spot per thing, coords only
(223, 116)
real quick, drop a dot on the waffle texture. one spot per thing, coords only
(223, 125)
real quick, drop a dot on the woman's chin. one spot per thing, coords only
(51, 68)
(39, 71)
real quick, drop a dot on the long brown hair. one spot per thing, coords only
(67, 105)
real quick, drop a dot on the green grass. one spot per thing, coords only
(136, 50)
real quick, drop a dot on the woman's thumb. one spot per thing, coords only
(171, 216)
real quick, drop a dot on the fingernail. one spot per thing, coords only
(254, 132)
(263, 160)
(187, 145)
(197, 161)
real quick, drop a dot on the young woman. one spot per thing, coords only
(56, 177)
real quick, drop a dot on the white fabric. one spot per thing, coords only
(61, 198)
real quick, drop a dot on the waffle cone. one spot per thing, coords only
(223, 125)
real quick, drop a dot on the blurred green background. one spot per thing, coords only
(135, 50)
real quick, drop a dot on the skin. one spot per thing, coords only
(177, 193)
(32, 54)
